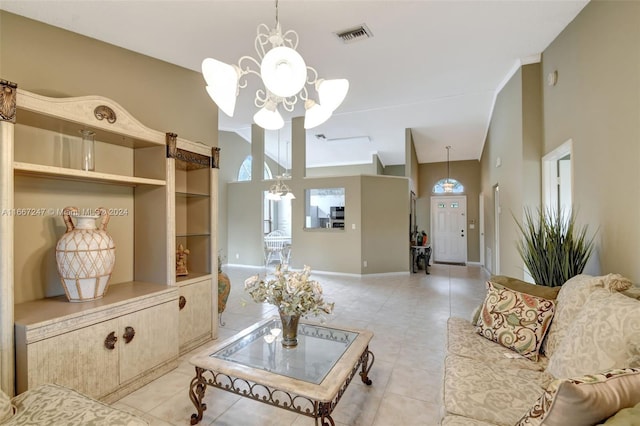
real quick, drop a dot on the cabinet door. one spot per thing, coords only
(155, 340)
(78, 359)
(196, 314)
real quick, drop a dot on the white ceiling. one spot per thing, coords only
(431, 66)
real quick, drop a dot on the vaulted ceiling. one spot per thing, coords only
(434, 67)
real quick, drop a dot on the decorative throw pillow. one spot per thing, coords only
(525, 287)
(586, 400)
(605, 334)
(625, 417)
(515, 320)
(573, 294)
(6, 409)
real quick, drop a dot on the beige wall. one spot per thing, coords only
(411, 167)
(600, 115)
(51, 61)
(373, 224)
(396, 170)
(596, 103)
(468, 174)
(385, 224)
(511, 160)
(336, 251)
(351, 170)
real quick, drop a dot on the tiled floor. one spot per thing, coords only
(407, 314)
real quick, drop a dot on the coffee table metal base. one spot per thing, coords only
(296, 403)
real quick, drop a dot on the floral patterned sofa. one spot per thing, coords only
(534, 355)
(50, 404)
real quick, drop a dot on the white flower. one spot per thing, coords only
(292, 292)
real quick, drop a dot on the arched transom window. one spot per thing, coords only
(439, 187)
(244, 174)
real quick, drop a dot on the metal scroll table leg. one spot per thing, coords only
(196, 394)
(324, 409)
(366, 366)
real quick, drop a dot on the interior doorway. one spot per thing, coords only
(449, 229)
(557, 180)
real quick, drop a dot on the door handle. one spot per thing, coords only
(110, 341)
(129, 334)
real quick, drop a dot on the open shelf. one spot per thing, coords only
(82, 175)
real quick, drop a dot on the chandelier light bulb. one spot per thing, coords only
(283, 71)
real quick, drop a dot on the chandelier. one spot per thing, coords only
(280, 190)
(285, 77)
(448, 185)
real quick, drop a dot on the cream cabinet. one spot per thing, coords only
(159, 189)
(195, 313)
(195, 213)
(100, 348)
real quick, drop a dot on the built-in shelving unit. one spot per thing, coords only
(194, 180)
(136, 176)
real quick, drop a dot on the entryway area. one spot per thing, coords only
(449, 229)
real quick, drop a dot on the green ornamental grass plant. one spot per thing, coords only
(552, 246)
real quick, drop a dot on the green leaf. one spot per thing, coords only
(552, 246)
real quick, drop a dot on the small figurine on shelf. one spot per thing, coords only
(181, 260)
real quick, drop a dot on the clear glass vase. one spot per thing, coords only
(88, 150)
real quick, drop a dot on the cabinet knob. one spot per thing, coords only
(110, 341)
(128, 335)
(182, 302)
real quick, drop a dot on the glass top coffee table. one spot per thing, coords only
(308, 379)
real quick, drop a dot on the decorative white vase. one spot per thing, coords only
(85, 256)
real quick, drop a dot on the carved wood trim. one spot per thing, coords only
(8, 93)
(103, 112)
(215, 157)
(187, 160)
(172, 144)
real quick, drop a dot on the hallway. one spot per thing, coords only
(407, 314)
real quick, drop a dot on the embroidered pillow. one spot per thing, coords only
(6, 409)
(517, 321)
(586, 400)
(605, 334)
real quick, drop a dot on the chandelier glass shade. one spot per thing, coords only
(280, 190)
(285, 76)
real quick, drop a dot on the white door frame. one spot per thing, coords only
(550, 174)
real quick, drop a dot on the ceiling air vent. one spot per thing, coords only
(355, 34)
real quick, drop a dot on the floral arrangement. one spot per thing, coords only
(292, 292)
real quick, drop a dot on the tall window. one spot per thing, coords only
(438, 188)
(244, 173)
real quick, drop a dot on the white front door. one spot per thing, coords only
(449, 229)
